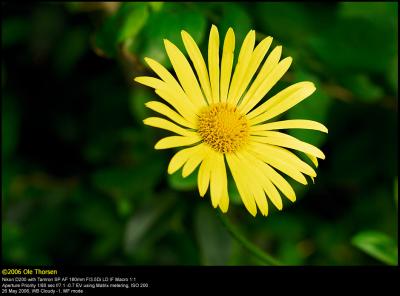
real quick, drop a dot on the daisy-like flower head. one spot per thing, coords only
(216, 115)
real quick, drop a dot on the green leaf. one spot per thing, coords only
(290, 22)
(167, 23)
(289, 253)
(374, 11)
(214, 241)
(137, 99)
(141, 223)
(89, 213)
(124, 206)
(236, 17)
(123, 182)
(131, 19)
(377, 245)
(124, 25)
(176, 181)
(137, 227)
(363, 88)
(156, 6)
(285, 20)
(99, 219)
(356, 45)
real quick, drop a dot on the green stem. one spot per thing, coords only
(253, 249)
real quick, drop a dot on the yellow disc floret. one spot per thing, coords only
(223, 128)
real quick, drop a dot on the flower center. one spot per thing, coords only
(223, 128)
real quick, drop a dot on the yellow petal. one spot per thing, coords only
(168, 112)
(174, 97)
(180, 105)
(177, 141)
(218, 180)
(280, 182)
(196, 158)
(282, 101)
(269, 64)
(243, 62)
(313, 159)
(224, 201)
(262, 152)
(185, 74)
(164, 74)
(241, 185)
(284, 140)
(255, 181)
(289, 124)
(179, 159)
(256, 59)
(290, 158)
(226, 63)
(287, 103)
(167, 125)
(213, 62)
(150, 81)
(203, 177)
(275, 75)
(273, 176)
(198, 63)
(256, 166)
(159, 84)
(272, 194)
(170, 81)
(259, 196)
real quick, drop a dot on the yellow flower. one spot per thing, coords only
(217, 114)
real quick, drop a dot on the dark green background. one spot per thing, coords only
(82, 184)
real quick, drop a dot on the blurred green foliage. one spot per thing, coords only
(377, 245)
(82, 184)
